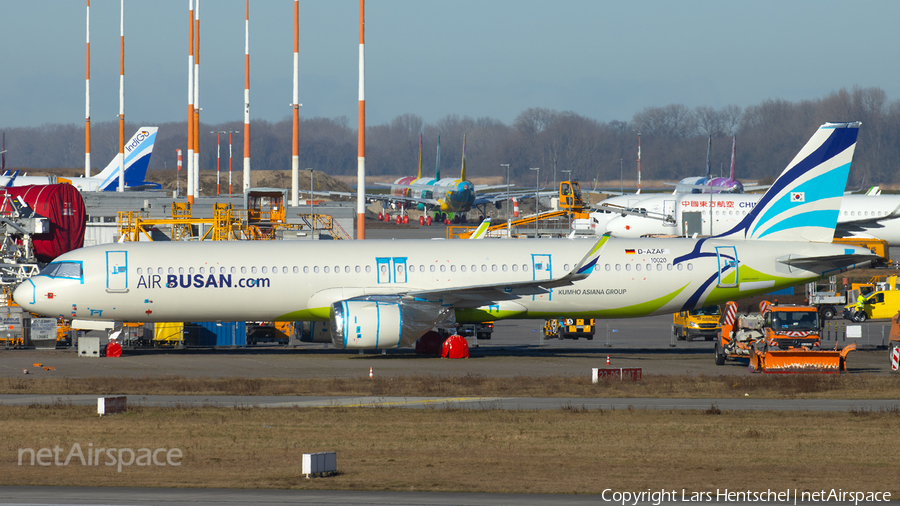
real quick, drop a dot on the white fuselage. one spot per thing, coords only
(868, 216)
(298, 280)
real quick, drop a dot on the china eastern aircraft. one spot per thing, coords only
(137, 158)
(388, 293)
(870, 216)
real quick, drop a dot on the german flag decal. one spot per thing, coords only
(629, 252)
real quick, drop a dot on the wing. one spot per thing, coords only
(479, 295)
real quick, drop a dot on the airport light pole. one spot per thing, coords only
(507, 198)
(537, 203)
(571, 190)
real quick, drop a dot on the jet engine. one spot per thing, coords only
(376, 323)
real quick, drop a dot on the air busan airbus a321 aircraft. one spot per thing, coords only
(387, 294)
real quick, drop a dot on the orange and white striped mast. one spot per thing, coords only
(295, 155)
(122, 96)
(87, 94)
(196, 172)
(189, 190)
(361, 156)
(247, 99)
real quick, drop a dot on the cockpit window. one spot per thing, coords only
(70, 270)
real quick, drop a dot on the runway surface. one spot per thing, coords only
(512, 403)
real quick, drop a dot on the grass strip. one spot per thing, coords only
(577, 449)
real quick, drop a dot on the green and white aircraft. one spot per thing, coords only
(387, 294)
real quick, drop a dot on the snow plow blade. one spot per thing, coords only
(800, 360)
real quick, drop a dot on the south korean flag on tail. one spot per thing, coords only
(798, 197)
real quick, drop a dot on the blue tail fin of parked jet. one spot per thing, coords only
(804, 202)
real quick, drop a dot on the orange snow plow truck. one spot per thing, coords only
(780, 339)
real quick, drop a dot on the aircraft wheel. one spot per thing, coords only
(720, 355)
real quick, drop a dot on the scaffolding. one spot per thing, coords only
(225, 225)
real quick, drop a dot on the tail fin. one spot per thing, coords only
(804, 202)
(420, 157)
(462, 174)
(137, 159)
(437, 164)
(731, 174)
(3, 155)
(708, 149)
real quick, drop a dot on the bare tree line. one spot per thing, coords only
(673, 140)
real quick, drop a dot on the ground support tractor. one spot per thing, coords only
(703, 322)
(780, 339)
(569, 328)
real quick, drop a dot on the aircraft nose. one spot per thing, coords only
(24, 294)
(622, 227)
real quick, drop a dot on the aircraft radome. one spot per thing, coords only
(386, 294)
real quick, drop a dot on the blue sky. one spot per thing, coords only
(604, 60)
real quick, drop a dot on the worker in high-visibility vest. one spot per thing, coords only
(860, 305)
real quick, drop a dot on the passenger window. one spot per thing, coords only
(443, 268)
(503, 267)
(618, 267)
(431, 268)
(243, 269)
(627, 267)
(453, 268)
(263, 269)
(305, 269)
(462, 268)
(297, 269)
(637, 267)
(253, 270)
(494, 268)
(357, 269)
(202, 270)
(515, 267)
(139, 270)
(368, 268)
(690, 267)
(316, 269)
(608, 267)
(181, 270)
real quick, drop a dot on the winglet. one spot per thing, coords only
(482, 229)
(586, 265)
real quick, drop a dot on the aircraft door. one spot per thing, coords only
(691, 223)
(728, 264)
(542, 269)
(116, 271)
(390, 269)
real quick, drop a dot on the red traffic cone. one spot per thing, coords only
(607, 360)
(371, 375)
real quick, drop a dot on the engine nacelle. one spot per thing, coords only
(371, 324)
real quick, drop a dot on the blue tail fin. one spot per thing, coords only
(137, 158)
(804, 202)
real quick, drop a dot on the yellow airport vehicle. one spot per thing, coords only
(569, 328)
(702, 323)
